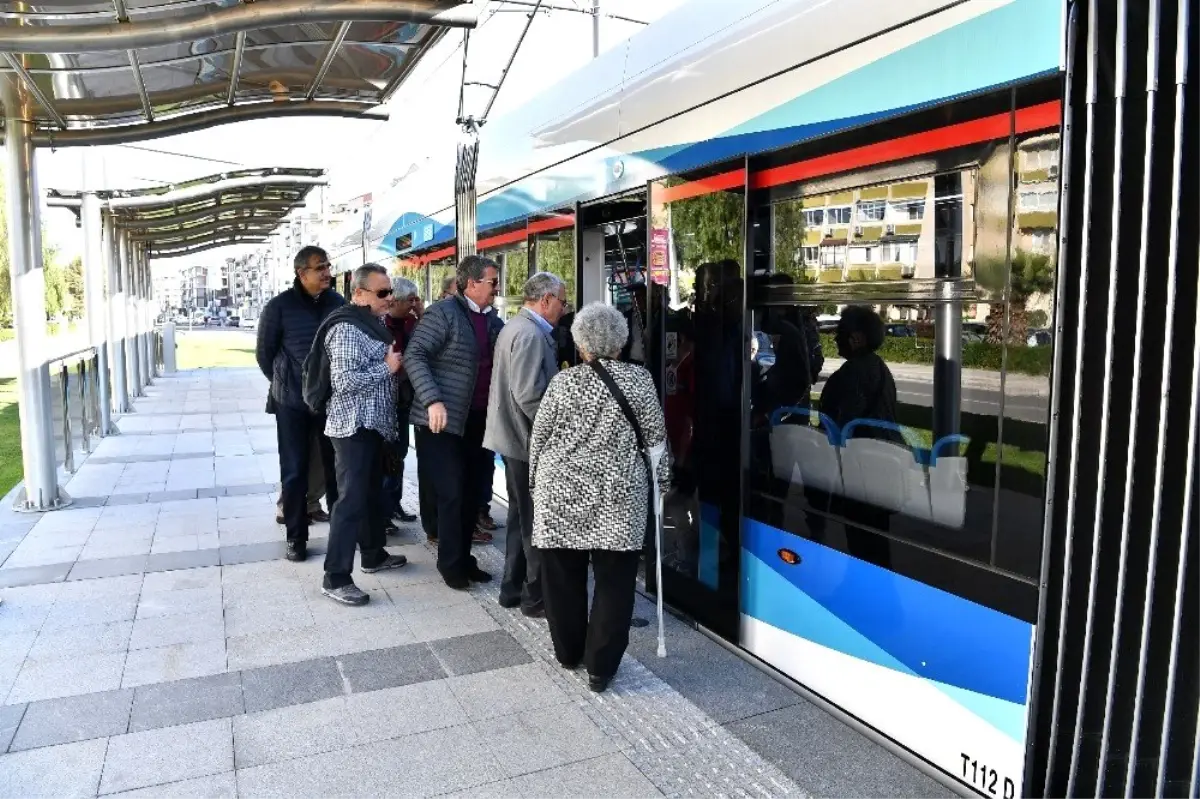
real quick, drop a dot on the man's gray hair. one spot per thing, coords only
(403, 288)
(362, 275)
(473, 267)
(543, 284)
(448, 283)
(600, 330)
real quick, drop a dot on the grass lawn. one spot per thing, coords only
(206, 349)
(10, 436)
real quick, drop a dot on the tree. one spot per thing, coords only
(1030, 274)
(708, 228)
(64, 287)
(788, 242)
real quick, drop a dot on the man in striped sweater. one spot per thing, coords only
(449, 363)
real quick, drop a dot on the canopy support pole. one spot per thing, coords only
(40, 491)
(116, 318)
(96, 304)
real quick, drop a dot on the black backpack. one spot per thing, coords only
(316, 386)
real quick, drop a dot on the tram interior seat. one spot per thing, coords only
(923, 484)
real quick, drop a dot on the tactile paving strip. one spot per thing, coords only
(677, 746)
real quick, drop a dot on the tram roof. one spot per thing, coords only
(113, 71)
(239, 207)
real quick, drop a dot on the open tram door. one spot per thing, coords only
(695, 344)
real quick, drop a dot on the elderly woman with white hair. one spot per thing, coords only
(588, 457)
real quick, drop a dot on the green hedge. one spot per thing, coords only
(976, 354)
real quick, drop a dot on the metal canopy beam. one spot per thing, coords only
(224, 227)
(65, 39)
(274, 209)
(211, 245)
(326, 62)
(207, 119)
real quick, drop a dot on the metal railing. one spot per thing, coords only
(75, 393)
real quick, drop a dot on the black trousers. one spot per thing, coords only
(598, 642)
(448, 468)
(522, 564)
(298, 431)
(358, 515)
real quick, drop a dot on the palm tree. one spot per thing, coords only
(1030, 274)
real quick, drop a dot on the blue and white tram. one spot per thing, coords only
(758, 163)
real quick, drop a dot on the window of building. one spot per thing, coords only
(907, 211)
(833, 255)
(810, 255)
(1043, 242)
(1037, 200)
(814, 217)
(871, 211)
(862, 255)
(838, 216)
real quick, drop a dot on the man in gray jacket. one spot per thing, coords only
(523, 363)
(449, 364)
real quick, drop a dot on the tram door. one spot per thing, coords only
(696, 345)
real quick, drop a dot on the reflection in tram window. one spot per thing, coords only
(913, 434)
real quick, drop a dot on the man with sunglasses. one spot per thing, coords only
(361, 412)
(449, 363)
(286, 332)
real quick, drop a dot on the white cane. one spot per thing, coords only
(656, 454)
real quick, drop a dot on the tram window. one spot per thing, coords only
(886, 439)
(514, 271)
(555, 253)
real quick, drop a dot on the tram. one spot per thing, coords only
(730, 174)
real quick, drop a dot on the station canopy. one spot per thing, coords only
(112, 71)
(241, 207)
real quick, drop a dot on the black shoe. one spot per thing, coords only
(297, 551)
(347, 595)
(279, 518)
(598, 684)
(404, 516)
(318, 516)
(457, 582)
(534, 612)
(478, 575)
(570, 666)
(390, 562)
(509, 603)
(391, 529)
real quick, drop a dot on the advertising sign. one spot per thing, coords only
(660, 258)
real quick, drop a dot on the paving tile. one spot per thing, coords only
(501, 692)
(834, 760)
(542, 739)
(183, 601)
(453, 759)
(388, 668)
(407, 710)
(290, 732)
(118, 500)
(108, 567)
(83, 612)
(250, 553)
(291, 684)
(51, 679)
(246, 618)
(182, 580)
(76, 718)
(10, 717)
(56, 772)
(89, 639)
(218, 786)
(467, 654)
(104, 588)
(174, 662)
(269, 649)
(185, 701)
(430, 625)
(716, 680)
(32, 575)
(381, 632)
(174, 494)
(18, 618)
(184, 628)
(501, 789)
(169, 561)
(583, 779)
(415, 598)
(155, 757)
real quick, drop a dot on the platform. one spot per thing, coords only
(155, 643)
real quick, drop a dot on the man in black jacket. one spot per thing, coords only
(285, 335)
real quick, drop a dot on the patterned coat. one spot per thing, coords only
(589, 483)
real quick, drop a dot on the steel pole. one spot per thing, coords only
(148, 358)
(40, 491)
(116, 320)
(94, 267)
(128, 316)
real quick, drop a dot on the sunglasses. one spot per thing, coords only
(382, 294)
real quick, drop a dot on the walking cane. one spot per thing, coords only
(656, 454)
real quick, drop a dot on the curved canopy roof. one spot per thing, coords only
(110, 71)
(240, 207)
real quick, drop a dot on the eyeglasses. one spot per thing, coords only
(324, 266)
(495, 281)
(382, 294)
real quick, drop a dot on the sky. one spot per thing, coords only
(361, 156)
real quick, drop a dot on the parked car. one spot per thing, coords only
(249, 323)
(233, 321)
(1040, 337)
(901, 331)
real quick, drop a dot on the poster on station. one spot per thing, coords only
(660, 255)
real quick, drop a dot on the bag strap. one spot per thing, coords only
(619, 396)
